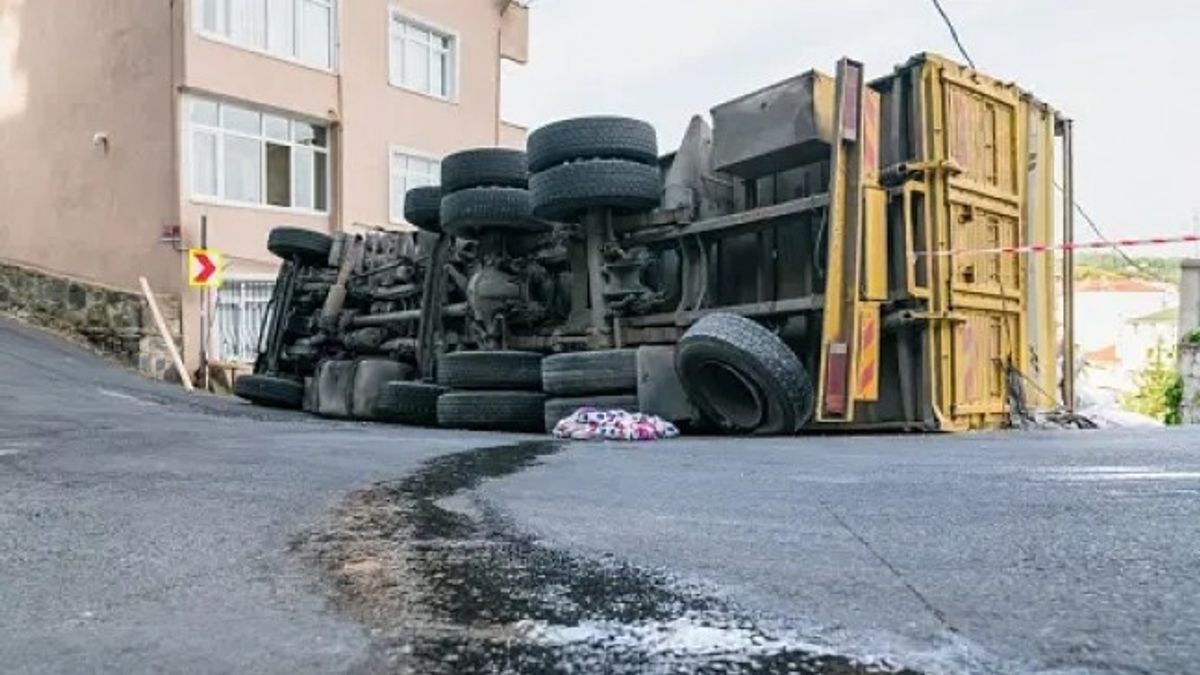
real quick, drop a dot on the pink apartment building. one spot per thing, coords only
(123, 123)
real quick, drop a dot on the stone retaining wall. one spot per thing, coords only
(115, 322)
(1189, 368)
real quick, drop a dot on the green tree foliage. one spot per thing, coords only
(1159, 391)
(1114, 266)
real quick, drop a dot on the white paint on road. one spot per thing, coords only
(1117, 473)
(13, 448)
(125, 397)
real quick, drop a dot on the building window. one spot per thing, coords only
(421, 58)
(243, 155)
(408, 172)
(303, 30)
(241, 306)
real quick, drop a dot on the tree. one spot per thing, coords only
(1159, 391)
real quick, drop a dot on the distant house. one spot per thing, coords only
(1118, 324)
(1103, 307)
(1145, 335)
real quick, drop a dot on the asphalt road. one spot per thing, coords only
(143, 530)
(146, 530)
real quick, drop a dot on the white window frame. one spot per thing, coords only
(396, 210)
(191, 128)
(397, 16)
(222, 19)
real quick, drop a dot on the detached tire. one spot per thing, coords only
(270, 391)
(492, 410)
(484, 167)
(592, 138)
(469, 213)
(413, 403)
(565, 191)
(599, 372)
(558, 409)
(742, 377)
(490, 370)
(293, 243)
(423, 208)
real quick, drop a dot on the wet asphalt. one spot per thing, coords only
(146, 530)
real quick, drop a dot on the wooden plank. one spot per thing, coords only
(166, 335)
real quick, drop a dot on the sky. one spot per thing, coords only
(1124, 71)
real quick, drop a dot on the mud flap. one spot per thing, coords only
(334, 381)
(659, 389)
(370, 377)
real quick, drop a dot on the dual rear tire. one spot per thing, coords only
(411, 403)
(604, 380)
(592, 163)
(485, 190)
(307, 247)
(423, 208)
(491, 391)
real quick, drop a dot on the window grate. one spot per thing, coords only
(241, 306)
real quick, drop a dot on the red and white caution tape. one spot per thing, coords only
(1050, 248)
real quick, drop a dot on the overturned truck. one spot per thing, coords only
(824, 255)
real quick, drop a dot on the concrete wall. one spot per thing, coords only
(1189, 297)
(1189, 369)
(1189, 354)
(68, 71)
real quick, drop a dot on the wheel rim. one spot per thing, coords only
(733, 397)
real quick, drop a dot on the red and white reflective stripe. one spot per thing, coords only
(1080, 246)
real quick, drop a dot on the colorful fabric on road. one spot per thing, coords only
(591, 424)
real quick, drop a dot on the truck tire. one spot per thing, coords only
(471, 212)
(413, 403)
(490, 370)
(423, 208)
(484, 167)
(294, 243)
(600, 372)
(592, 138)
(492, 410)
(558, 409)
(742, 377)
(270, 391)
(565, 191)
